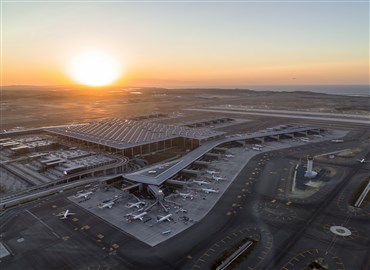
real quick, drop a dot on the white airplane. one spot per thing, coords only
(217, 178)
(65, 214)
(211, 171)
(229, 155)
(304, 139)
(106, 205)
(83, 194)
(164, 218)
(210, 190)
(137, 205)
(135, 217)
(256, 148)
(201, 182)
(258, 145)
(362, 160)
(337, 141)
(186, 195)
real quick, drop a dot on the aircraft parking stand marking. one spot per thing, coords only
(311, 255)
(252, 233)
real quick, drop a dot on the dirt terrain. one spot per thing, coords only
(30, 106)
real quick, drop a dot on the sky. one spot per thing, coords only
(182, 44)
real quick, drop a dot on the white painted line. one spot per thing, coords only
(46, 225)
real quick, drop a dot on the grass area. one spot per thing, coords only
(358, 192)
(227, 253)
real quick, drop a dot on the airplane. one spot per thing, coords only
(65, 214)
(258, 145)
(186, 195)
(106, 205)
(305, 139)
(135, 217)
(137, 205)
(210, 190)
(211, 171)
(217, 178)
(164, 218)
(362, 160)
(166, 232)
(256, 148)
(201, 182)
(337, 141)
(229, 155)
(84, 194)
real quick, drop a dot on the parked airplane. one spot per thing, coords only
(201, 182)
(256, 148)
(217, 178)
(135, 217)
(211, 171)
(185, 195)
(164, 218)
(258, 145)
(166, 232)
(83, 194)
(304, 139)
(137, 205)
(229, 155)
(65, 214)
(106, 205)
(362, 160)
(210, 190)
(337, 141)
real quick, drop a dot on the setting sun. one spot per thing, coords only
(94, 68)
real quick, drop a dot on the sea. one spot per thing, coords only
(345, 90)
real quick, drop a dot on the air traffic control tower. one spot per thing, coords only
(310, 173)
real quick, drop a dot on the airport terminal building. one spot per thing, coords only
(132, 138)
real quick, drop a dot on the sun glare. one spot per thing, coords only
(94, 68)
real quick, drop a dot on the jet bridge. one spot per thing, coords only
(156, 192)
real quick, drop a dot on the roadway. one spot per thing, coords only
(292, 115)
